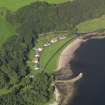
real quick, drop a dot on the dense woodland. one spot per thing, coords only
(30, 21)
(43, 17)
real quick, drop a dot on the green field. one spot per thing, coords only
(51, 54)
(92, 25)
(6, 30)
(15, 4)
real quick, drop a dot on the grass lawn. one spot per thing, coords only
(51, 54)
(6, 30)
(16, 4)
(92, 25)
(4, 91)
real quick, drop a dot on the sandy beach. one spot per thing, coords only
(64, 59)
(68, 52)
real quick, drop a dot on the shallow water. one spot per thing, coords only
(89, 59)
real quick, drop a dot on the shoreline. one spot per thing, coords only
(64, 59)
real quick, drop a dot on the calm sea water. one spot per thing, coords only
(90, 59)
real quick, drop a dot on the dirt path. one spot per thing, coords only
(68, 52)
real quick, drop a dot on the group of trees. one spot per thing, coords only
(39, 17)
(13, 57)
(35, 92)
(15, 74)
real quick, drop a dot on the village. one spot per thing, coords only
(36, 60)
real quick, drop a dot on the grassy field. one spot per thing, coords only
(51, 54)
(92, 25)
(15, 4)
(6, 30)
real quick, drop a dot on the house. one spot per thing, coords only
(53, 40)
(36, 68)
(37, 55)
(47, 44)
(40, 49)
(31, 76)
(36, 61)
(61, 37)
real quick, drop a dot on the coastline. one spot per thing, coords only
(64, 59)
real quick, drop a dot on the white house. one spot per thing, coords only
(47, 44)
(31, 76)
(36, 68)
(37, 55)
(53, 40)
(61, 37)
(40, 49)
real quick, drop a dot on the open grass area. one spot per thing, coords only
(16, 4)
(6, 30)
(92, 25)
(4, 91)
(50, 55)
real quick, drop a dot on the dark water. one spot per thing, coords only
(90, 59)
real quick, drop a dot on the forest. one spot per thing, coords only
(29, 22)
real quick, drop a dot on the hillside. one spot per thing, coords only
(92, 25)
(16, 4)
(43, 17)
(6, 30)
